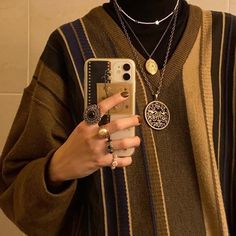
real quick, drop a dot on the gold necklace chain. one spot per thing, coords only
(156, 113)
(156, 94)
(158, 43)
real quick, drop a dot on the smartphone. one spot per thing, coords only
(105, 77)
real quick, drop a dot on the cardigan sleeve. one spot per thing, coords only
(43, 123)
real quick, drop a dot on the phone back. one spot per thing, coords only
(105, 77)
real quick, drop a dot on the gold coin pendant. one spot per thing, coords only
(151, 66)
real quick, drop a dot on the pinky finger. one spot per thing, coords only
(121, 162)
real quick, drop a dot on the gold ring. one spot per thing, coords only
(114, 163)
(103, 133)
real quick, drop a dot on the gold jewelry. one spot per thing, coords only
(103, 133)
(157, 114)
(114, 163)
(150, 64)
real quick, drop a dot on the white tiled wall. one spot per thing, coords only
(25, 26)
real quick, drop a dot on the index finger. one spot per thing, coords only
(108, 103)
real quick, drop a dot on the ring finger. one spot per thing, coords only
(107, 160)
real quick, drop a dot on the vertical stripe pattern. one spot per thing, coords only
(207, 96)
(75, 40)
(161, 225)
(80, 49)
(212, 130)
(223, 27)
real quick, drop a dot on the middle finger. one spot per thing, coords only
(122, 124)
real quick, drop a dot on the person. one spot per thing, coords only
(55, 169)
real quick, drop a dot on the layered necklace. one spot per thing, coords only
(156, 113)
(151, 65)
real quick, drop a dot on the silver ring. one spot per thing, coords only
(103, 133)
(92, 114)
(114, 163)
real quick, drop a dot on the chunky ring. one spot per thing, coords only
(110, 146)
(92, 114)
(114, 163)
(103, 133)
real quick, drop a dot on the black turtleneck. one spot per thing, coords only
(148, 10)
(149, 35)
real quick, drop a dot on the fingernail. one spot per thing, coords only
(124, 94)
(140, 119)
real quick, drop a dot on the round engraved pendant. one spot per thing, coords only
(157, 115)
(151, 66)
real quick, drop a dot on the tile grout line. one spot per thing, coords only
(28, 38)
(10, 94)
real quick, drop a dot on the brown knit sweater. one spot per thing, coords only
(173, 186)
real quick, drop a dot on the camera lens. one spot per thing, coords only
(126, 76)
(126, 67)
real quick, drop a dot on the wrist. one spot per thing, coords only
(54, 177)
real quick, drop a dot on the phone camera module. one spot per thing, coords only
(126, 76)
(126, 66)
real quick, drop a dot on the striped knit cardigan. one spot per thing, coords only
(52, 106)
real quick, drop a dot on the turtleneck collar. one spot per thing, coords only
(148, 10)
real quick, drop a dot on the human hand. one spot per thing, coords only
(84, 152)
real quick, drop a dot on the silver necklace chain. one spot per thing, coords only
(156, 22)
(159, 42)
(155, 94)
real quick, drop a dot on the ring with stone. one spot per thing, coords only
(110, 148)
(103, 133)
(114, 163)
(92, 114)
